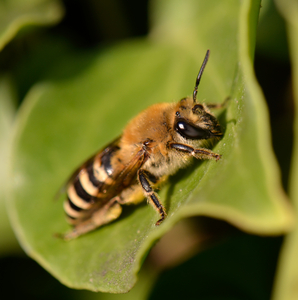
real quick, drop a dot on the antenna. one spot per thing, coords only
(195, 91)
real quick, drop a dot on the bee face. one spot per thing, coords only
(154, 145)
(195, 122)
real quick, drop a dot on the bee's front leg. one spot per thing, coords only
(200, 153)
(152, 197)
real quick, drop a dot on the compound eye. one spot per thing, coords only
(191, 132)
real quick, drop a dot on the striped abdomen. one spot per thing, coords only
(88, 189)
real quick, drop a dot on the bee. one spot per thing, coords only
(155, 144)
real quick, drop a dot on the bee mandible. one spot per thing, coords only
(155, 144)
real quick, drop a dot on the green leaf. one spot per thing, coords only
(16, 14)
(287, 276)
(63, 121)
(271, 34)
(8, 242)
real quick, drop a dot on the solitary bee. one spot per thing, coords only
(155, 144)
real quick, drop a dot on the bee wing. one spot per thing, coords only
(128, 175)
(96, 183)
(75, 174)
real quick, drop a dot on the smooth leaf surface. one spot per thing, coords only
(16, 14)
(64, 121)
(287, 275)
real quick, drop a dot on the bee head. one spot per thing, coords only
(194, 120)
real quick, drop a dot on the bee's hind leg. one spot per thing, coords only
(104, 215)
(152, 197)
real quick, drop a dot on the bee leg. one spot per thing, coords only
(200, 153)
(102, 216)
(219, 105)
(132, 195)
(152, 197)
